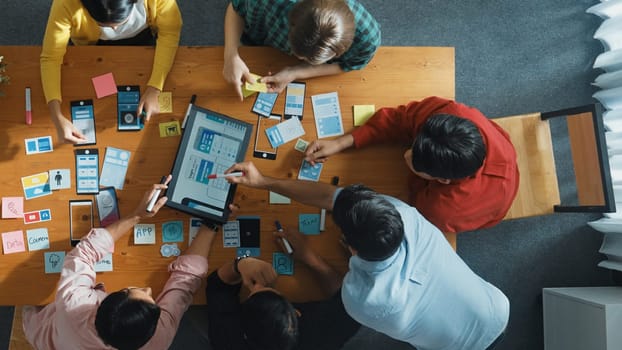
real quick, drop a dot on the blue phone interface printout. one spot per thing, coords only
(114, 169)
(87, 180)
(265, 103)
(83, 118)
(127, 104)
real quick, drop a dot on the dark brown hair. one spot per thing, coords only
(320, 30)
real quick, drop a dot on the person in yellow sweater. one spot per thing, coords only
(108, 22)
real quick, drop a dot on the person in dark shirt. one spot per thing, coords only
(266, 320)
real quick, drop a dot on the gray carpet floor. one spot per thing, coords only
(512, 57)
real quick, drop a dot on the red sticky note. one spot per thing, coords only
(104, 85)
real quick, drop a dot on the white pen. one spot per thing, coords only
(192, 99)
(288, 247)
(156, 194)
(220, 176)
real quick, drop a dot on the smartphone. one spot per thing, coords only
(87, 171)
(128, 97)
(264, 103)
(107, 206)
(80, 219)
(294, 100)
(263, 148)
(83, 118)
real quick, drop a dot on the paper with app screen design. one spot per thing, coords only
(284, 132)
(327, 115)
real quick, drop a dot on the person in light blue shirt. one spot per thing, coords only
(405, 280)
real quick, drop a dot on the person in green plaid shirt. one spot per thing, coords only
(329, 37)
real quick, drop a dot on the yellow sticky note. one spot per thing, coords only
(362, 113)
(165, 100)
(170, 129)
(257, 86)
(247, 93)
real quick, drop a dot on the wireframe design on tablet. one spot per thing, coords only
(211, 143)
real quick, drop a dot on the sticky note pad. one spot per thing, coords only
(247, 93)
(165, 100)
(144, 234)
(309, 224)
(12, 207)
(276, 198)
(104, 85)
(362, 113)
(104, 265)
(173, 231)
(168, 129)
(257, 86)
(283, 264)
(38, 239)
(53, 261)
(13, 242)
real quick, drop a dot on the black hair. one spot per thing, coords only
(109, 11)
(448, 147)
(269, 322)
(370, 224)
(126, 323)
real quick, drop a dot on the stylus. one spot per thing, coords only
(156, 194)
(288, 247)
(334, 182)
(220, 176)
(28, 107)
(192, 99)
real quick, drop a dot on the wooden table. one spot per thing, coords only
(395, 76)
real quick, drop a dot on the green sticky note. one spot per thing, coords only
(362, 113)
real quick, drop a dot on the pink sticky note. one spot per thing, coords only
(104, 85)
(12, 207)
(13, 242)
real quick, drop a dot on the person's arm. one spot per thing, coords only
(77, 280)
(251, 272)
(166, 18)
(328, 278)
(279, 81)
(57, 34)
(235, 70)
(307, 192)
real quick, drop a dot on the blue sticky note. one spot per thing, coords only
(104, 265)
(53, 261)
(173, 231)
(283, 264)
(309, 224)
(248, 251)
(38, 239)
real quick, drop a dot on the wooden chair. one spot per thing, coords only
(538, 192)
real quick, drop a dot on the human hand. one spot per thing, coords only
(236, 72)
(67, 132)
(256, 272)
(251, 177)
(319, 150)
(279, 81)
(302, 251)
(149, 103)
(141, 209)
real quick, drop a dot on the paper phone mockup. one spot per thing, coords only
(83, 118)
(294, 100)
(128, 97)
(264, 103)
(263, 148)
(87, 171)
(107, 206)
(80, 219)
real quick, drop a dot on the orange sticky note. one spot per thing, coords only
(104, 85)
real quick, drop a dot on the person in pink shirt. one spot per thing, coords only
(84, 316)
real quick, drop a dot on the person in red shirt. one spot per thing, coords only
(464, 171)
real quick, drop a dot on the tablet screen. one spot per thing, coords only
(211, 143)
